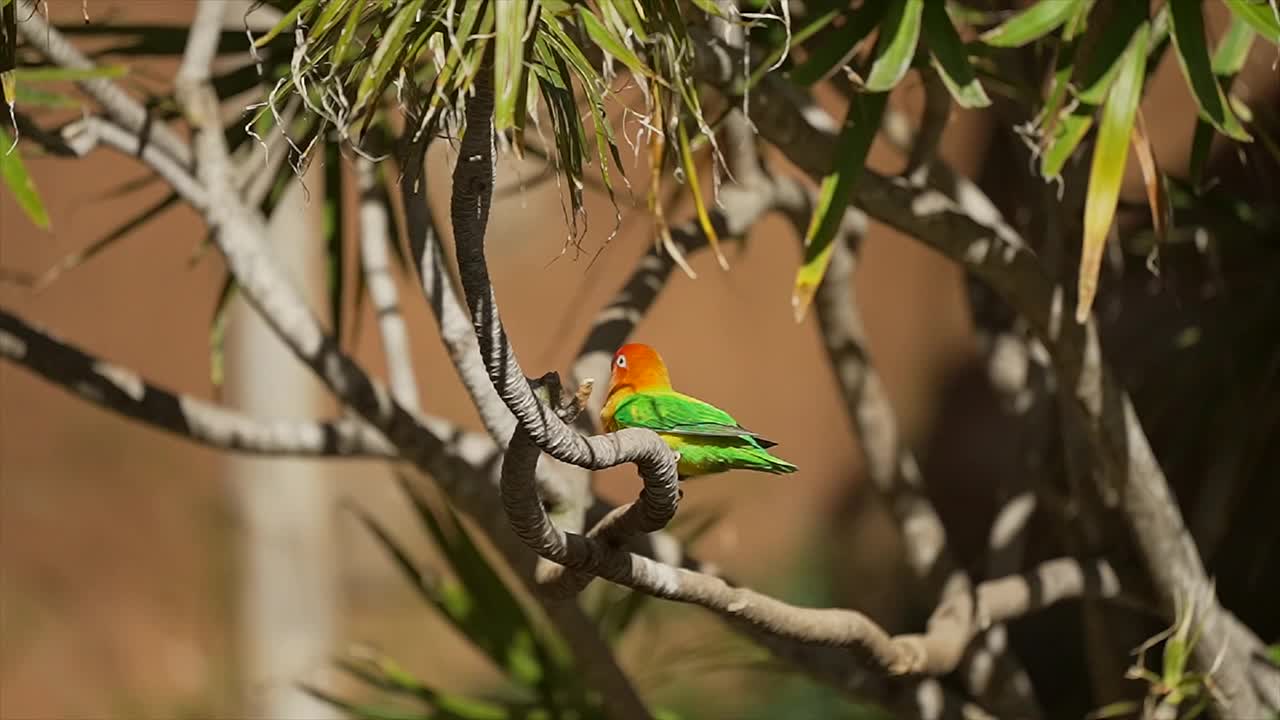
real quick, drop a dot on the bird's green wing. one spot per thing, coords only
(677, 414)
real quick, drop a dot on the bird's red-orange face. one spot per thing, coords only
(638, 366)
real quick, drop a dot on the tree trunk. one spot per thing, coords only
(288, 598)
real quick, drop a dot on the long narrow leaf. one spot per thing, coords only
(508, 60)
(364, 711)
(18, 180)
(425, 583)
(61, 74)
(1104, 60)
(1193, 58)
(289, 19)
(899, 34)
(386, 674)
(1064, 138)
(695, 189)
(389, 48)
(1107, 171)
(861, 123)
(1262, 15)
(840, 47)
(490, 614)
(1233, 49)
(798, 38)
(1153, 179)
(610, 43)
(949, 57)
(218, 331)
(1031, 24)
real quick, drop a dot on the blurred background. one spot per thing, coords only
(123, 550)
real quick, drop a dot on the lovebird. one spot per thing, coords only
(707, 438)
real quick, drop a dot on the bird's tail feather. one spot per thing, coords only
(775, 465)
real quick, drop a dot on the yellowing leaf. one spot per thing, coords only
(861, 123)
(1107, 170)
(508, 61)
(691, 177)
(1157, 192)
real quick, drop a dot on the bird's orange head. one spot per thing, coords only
(639, 368)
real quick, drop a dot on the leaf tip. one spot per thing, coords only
(801, 299)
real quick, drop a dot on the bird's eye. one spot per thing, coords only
(622, 361)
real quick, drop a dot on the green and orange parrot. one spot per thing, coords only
(707, 438)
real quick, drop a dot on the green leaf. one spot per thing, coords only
(861, 123)
(798, 38)
(426, 584)
(557, 91)
(19, 182)
(343, 44)
(508, 61)
(896, 48)
(61, 74)
(1233, 49)
(1273, 654)
(288, 20)
(391, 48)
(837, 49)
(1066, 135)
(1261, 16)
(695, 189)
(483, 606)
(949, 57)
(1107, 171)
(327, 20)
(1201, 144)
(365, 711)
(218, 330)
(1105, 59)
(1114, 710)
(610, 43)
(1031, 24)
(709, 7)
(626, 9)
(1193, 57)
(386, 674)
(27, 95)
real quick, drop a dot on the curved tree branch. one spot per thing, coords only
(451, 318)
(472, 191)
(935, 652)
